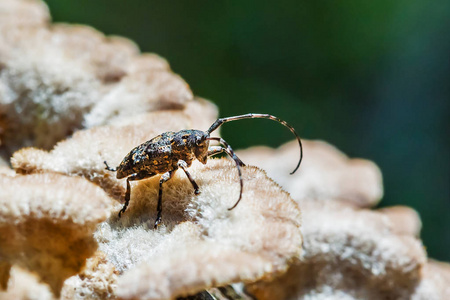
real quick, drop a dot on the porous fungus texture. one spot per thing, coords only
(47, 223)
(25, 285)
(97, 280)
(207, 245)
(57, 78)
(350, 252)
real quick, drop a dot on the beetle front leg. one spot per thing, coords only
(165, 177)
(182, 164)
(214, 150)
(109, 168)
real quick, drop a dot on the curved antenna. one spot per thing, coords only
(219, 122)
(238, 162)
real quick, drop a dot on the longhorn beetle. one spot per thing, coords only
(167, 152)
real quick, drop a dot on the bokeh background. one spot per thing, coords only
(371, 77)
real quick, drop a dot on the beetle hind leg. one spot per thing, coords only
(127, 193)
(137, 176)
(127, 196)
(109, 168)
(165, 177)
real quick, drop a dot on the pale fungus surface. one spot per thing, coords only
(57, 78)
(350, 252)
(72, 98)
(112, 98)
(47, 223)
(326, 173)
(24, 284)
(208, 245)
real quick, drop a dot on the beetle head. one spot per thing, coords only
(200, 145)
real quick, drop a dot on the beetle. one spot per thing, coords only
(167, 152)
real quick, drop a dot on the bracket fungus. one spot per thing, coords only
(350, 252)
(103, 98)
(201, 243)
(47, 223)
(56, 78)
(84, 98)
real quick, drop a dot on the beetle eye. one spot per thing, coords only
(198, 140)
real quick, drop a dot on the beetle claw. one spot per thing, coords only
(157, 223)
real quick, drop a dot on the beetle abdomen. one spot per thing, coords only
(132, 162)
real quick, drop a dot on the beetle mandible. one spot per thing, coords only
(167, 152)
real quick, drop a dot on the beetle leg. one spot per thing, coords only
(214, 150)
(182, 164)
(136, 176)
(164, 177)
(127, 193)
(227, 149)
(109, 168)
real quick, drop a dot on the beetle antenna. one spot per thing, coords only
(109, 168)
(230, 152)
(221, 121)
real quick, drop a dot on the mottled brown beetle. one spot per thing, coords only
(167, 152)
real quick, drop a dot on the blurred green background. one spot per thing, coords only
(372, 78)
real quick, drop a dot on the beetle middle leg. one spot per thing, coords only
(227, 149)
(164, 177)
(182, 164)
